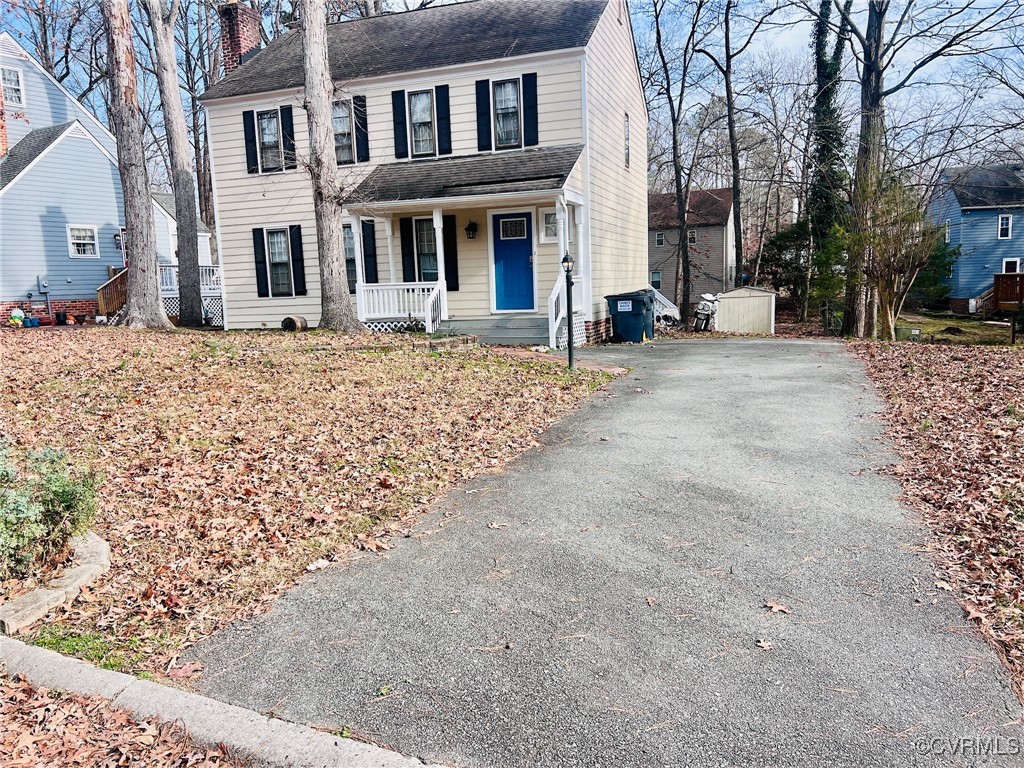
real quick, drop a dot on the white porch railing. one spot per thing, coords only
(558, 307)
(209, 280)
(434, 309)
(663, 305)
(390, 301)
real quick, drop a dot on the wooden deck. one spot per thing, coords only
(1009, 292)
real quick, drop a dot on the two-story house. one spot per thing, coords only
(479, 142)
(709, 233)
(981, 210)
(61, 208)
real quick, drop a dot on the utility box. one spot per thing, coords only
(746, 310)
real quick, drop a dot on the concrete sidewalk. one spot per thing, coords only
(603, 603)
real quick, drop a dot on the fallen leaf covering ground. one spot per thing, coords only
(232, 461)
(40, 728)
(956, 415)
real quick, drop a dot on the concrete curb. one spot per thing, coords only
(264, 741)
(91, 560)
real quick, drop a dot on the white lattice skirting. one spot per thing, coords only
(393, 326)
(579, 332)
(213, 308)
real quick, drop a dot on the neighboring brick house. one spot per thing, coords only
(710, 233)
(479, 142)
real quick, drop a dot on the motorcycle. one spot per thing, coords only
(704, 317)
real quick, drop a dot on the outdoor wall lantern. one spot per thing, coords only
(567, 265)
(471, 230)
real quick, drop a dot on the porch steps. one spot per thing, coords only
(512, 331)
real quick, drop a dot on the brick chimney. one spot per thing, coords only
(239, 32)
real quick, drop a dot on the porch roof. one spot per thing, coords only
(486, 175)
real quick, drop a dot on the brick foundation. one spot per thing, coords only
(77, 307)
(599, 331)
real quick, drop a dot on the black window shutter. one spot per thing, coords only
(398, 118)
(450, 235)
(252, 160)
(362, 132)
(531, 137)
(288, 137)
(483, 115)
(259, 249)
(444, 121)
(298, 262)
(370, 252)
(408, 250)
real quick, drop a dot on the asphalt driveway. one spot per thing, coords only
(603, 602)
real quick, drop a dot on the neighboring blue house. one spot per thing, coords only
(982, 211)
(61, 209)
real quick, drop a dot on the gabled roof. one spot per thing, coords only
(987, 186)
(436, 36)
(26, 151)
(707, 208)
(531, 170)
(166, 201)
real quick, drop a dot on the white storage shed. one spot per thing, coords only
(747, 310)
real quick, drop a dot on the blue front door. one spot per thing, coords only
(513, 261)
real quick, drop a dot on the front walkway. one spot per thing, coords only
(603, 603)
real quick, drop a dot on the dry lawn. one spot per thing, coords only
(233, 461)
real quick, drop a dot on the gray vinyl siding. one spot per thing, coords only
(707, 260)
(74, 183)
(45, 104)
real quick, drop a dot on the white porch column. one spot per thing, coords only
(356, 223)
(562, 224)
(582, 262)
(439, 244)
(389, 222)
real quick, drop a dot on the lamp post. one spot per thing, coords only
(567, 265)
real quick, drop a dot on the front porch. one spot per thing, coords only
(471, 254)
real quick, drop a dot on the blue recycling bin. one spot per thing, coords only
(632, 316)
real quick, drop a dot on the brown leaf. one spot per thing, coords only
(777, 607)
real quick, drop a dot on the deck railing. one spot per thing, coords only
(209, 280)
(1008, 290)
(113, 294)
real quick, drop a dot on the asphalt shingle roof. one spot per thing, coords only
(707, 208)
(28, 149)
(988, 186)
(437, 36)
(166, 201)
(500, 173)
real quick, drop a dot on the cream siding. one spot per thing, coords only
(618, 196)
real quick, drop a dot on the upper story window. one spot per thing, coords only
(421, 123)
(344, 146)
(691, 236)
(625, 128)
(14, 93)
(1005, 226)
(659, 239)
(83, 242)
(268, 133)
(508, 133)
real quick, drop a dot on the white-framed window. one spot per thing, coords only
(549, 232)
(947, 231)
(656, 280)
(1005, 226)
(425, 239)
(508, 114)
(344, 146)
(83, 241)
(268, 138)
(279, 262)
(625, 128)
(1011, 266)
(350, 258)
(14, 92)
(691, 237)
(421, 123)
(659, 239)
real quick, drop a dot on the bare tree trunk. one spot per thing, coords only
(144, 308)
(734, 145)
(162, 16)
(337, 312)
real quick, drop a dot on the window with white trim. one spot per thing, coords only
(14, 93)
(659, 239)
(1011, 266)
(341, 118)
(268, 137)
(947, 232)
(426, 250)
(279, 262)
(508, 116)
(549, 233)
(656, 280)
(625, 128)
(83, 242)
(691, 236)
(421, 123)
(1005, 226)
